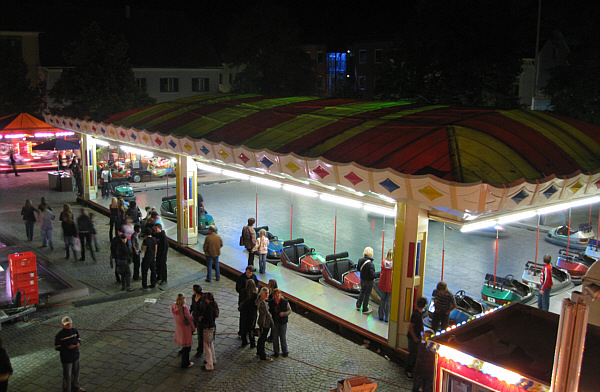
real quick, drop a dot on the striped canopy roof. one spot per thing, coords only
(453, 143)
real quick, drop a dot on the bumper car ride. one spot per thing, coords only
(301, 259)
(275, 245)
(340, 272)
(575, 264)
(168, 210)
(123, 190)
(593, 250)
(501, 291)
(466, 308)
(561, 280)
(577, 239)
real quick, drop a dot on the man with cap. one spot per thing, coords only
(67, 341)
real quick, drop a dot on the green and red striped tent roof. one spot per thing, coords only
(453, 143)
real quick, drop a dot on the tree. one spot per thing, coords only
(101, 81)
(264, 42)
(16, 94)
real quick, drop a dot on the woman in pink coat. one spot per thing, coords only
(184, 327)
(385, 286)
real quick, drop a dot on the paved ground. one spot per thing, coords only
(127, 341)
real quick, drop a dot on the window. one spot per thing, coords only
(169, 85)
(200, 84)
(141, 82)
(378, 56)
(362, 56)
(362, 82)
(319, 82)
(320, 57)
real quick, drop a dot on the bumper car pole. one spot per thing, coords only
(537, 245)
(256, 206)
(443, 250)
(496, 259)
(569, 232)
(383, 238)
(291, 217)
(335, 230)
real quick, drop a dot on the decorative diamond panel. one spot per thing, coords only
(123, 134)
(85, 127)
(519, 197)
(292, 166)
(267, 162)
(158, 141)
(223, 154)
(389, 185)
(204, 150)
(319, 171)
(133, 136)
(577, 186)
(187, 146)
(101, 129)
(430, 192)
(353, 178)
(550, 191)
(145, 139)
(243, 158)
(172, 144)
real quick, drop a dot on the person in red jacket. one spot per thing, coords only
(545, 284)
(385, 286)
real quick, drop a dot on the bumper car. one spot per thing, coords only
(340, 272)
(168, 210)
(578, 239)
(466, 308)
(275, 246)
(504, 291)
(561, 280)
(593, 250)
(163, 171)
(575, 264)
(123, 190)
(301, 259)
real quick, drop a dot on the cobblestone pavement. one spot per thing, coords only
(128, 341)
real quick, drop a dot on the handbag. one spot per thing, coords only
(76, 244)
(242, 240)
(185, 319)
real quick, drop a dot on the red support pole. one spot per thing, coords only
(590, 217)
(537, 244)
(496, 261)
(291, 221)
(443, 250)
(335, 231)
(383, 239)
(569, 232)
(598, 229)
(256, 208)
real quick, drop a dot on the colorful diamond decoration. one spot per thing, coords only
(133, 136)
(577, 186)
(550, 191)
(145, 139)
(389, 185)
(85, 127)
(267, 162)
(319, 171)
(172, 144)
(94, 128)
(158, 141)
(519, 197)
(223, 154)
(204, 150)
(187, 146)
(102, 130)
(353, 178)
(292, 166)
(78, 126)
(430, 192)
(123, 134)
(112, 132)
(243, 158)
(64, 123)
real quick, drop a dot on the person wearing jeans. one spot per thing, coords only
(249, 240)
(46, 218)
(265, 323)
(28, 211)
(367, 276)
(212, 250)
(385, 286)
(545, 284)
(262, 247)
(280, 310)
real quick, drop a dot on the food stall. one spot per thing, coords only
(509, 349)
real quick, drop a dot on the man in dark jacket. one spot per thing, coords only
(85, 228)
(240, 288)
(425, 367)
(149, 248)
(161, 253)
(113, 252)
(212, 250)
(367, 276)
(122, 257)
(67, 341)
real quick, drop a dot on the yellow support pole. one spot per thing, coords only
(187, 200)
(88, 167)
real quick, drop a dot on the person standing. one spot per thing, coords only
(106, 178)
(13, 163)
(262, 248)
(265, 323)
(367, 276)
(28, 212)
(197, 309)
(212, 250)
(248, 314)
(44, 203)
(77, 173)
(135, 251)
(161, 253)
(415, 331)
(545, 284)
(47, 227)
(6, 369)
(84, 226)
(385, 286)
(67, 341)
(149, 248)
(240, 288)
(280, 310)
(208, 323)
(444, 304)
(184, 328)
(133, 213)
(424, 367)
(122, 257)
(69, 233)
(114, 216)
(249, 240)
